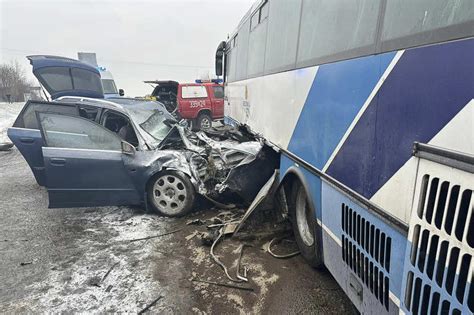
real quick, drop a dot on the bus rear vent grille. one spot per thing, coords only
(366, 250)
(441, 278)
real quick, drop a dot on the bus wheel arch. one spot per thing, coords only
(301, 208)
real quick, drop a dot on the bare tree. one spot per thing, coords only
(13, 82)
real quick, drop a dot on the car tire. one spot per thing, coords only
(171, 194)
(303, 220)
(204, 121)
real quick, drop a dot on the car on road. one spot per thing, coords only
(200, 103)
(120, 151)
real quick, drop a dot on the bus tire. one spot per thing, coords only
(307, 232)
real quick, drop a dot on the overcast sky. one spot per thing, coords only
(135, 40)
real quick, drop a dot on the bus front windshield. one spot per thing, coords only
(109, 87)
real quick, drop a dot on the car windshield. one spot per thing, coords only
(152, 122)
(109, 86)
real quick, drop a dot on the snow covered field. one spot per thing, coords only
(8, 114)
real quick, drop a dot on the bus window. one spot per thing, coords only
(231, 57)
(282, 37)
(329, 28)
(413, 23)
(257, 40)
(241, 59)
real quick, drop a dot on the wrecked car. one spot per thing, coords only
(95, 152)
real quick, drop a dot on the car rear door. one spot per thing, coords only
(26, 136)
(83, 164)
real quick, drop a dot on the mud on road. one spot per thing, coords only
(82, 260)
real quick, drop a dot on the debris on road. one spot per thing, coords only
(280, 256)
(218, 261)
(227, 285)
(6, 146)
(156, 236)
(110, 270)
(150, 305)
(195, 222)
(239, 259)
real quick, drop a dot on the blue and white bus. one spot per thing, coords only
(370, 103)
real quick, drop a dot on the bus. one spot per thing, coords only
(370, 105)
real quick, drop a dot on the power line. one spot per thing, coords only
(120, 61)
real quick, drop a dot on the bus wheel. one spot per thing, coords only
(307, 232)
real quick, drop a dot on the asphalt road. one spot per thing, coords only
(83, 260)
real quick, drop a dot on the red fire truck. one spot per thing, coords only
(200, 102)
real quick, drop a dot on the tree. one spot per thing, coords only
(13, 82)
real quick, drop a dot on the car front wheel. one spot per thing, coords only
(171, 193)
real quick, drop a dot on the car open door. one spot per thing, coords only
(66, 77)
(83, 164)
(26, 136)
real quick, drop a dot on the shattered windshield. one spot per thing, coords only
(151, 121)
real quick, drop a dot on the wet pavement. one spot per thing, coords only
(89, 260)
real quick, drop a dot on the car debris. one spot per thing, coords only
(243, 277)
(280, 256)
(6, 146)
(195, 222)
(227, 285)
(150, 305)
(267, 189)
(109, 271)
(158, 235)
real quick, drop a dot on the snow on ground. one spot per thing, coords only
(8, 114)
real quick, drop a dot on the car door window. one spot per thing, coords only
(218, 91)
(120, 125)
(90, 113)
(76, 133)
(27, 118)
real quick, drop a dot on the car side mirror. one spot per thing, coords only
(127, 148)
(121, 92)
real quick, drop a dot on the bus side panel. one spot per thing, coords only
(357, 245)
(439, 268)
(362, 252)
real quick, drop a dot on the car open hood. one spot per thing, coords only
(62, 76)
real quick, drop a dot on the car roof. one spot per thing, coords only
(120, 104)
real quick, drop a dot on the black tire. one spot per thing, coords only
(309, 241)
(204, 121)
(171, 194)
